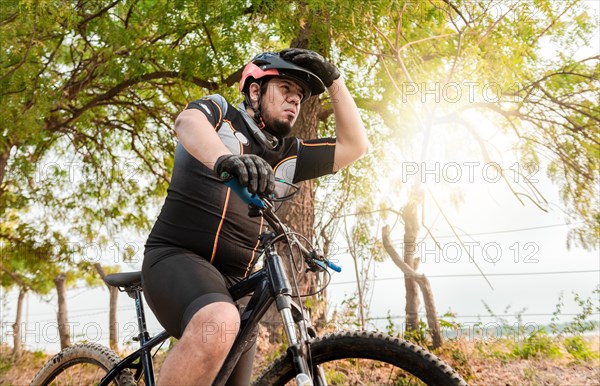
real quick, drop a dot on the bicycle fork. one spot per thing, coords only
(282, 292)
(270, 284)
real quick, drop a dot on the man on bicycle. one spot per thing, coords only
(203, 240)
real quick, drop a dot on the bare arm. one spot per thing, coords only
(351, 137)
(199, 137)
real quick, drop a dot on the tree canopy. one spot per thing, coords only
(89, 91)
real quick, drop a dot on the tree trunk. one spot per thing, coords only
(360, 293)
(298, 212)
(17, 344)
(431, 312)
(112, 319)
(4, 153)
(423, 283)
(62, 316)
(411, 228)
(112, 311)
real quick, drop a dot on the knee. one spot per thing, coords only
(216, 324)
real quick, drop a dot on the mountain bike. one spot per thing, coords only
(341, 358)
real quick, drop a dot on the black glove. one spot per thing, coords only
(313, 62)
(251, 171)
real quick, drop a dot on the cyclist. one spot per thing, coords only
(203, 240)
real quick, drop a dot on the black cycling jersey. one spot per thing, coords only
(202, 215)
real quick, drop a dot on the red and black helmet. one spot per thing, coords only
(269, 64)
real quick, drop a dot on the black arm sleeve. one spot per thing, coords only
(210, 108)
(315, 158)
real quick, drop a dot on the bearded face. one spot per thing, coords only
(280, 106)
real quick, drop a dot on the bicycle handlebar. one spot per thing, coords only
(329, 264)
(241, 191)
(254, 199)
(320, 261)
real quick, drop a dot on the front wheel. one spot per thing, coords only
(365, 358)
(82, 364)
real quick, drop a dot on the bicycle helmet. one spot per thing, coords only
(270, 64)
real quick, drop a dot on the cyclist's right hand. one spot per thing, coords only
(251, 171)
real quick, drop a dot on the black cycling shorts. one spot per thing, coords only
(177, 283)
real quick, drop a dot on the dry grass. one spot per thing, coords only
(21, 371)
(491, 364)
(481, 363)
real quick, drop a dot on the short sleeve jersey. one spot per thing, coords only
(202, 215)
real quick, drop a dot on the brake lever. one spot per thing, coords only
(317, 257)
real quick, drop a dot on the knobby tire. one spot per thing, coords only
(404, 360)
(82, 364)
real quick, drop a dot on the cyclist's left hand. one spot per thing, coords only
(313, 62)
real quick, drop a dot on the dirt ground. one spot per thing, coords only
(535, 373)
(479, 371)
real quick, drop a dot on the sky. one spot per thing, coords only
(521, 250)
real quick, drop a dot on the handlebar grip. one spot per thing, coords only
(242, 191)
(336, 268)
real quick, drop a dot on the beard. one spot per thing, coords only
(280, 128)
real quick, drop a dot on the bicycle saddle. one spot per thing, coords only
(124, 279)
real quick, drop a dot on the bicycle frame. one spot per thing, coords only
(306, 354)
(269, 284)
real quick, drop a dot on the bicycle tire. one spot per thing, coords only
(402, 357)
(92, 360)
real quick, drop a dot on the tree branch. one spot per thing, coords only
(455, 8)
(9, 19)
(396, 258)
(97, 14)
(554, 21)
(16, 277)
(496, 23)
(128, 83)
(25, 55)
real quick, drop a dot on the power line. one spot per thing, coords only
(119, 308)
(478, 275)
(397, 242)
(509, 230)
(477, 316)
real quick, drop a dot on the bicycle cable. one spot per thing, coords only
(292, 259)
(324, 286)
(286, 197)
(158, 348)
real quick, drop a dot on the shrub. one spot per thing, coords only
(538, 344)
(579, 348)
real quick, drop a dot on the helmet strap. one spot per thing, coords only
(262, 136)
(257, 115)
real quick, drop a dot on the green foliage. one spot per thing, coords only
(347, 315)
(579, 348)
(276, 351)
(582, 322)
(448, 322)
(391, 328)
(499, 349)
(538, 344)
(572, 335)
(419, 335)
(517, 330)
(459, 355)
(91, 92)
(429, 52)
(335, 377)
(520, 342)
(6, 363)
